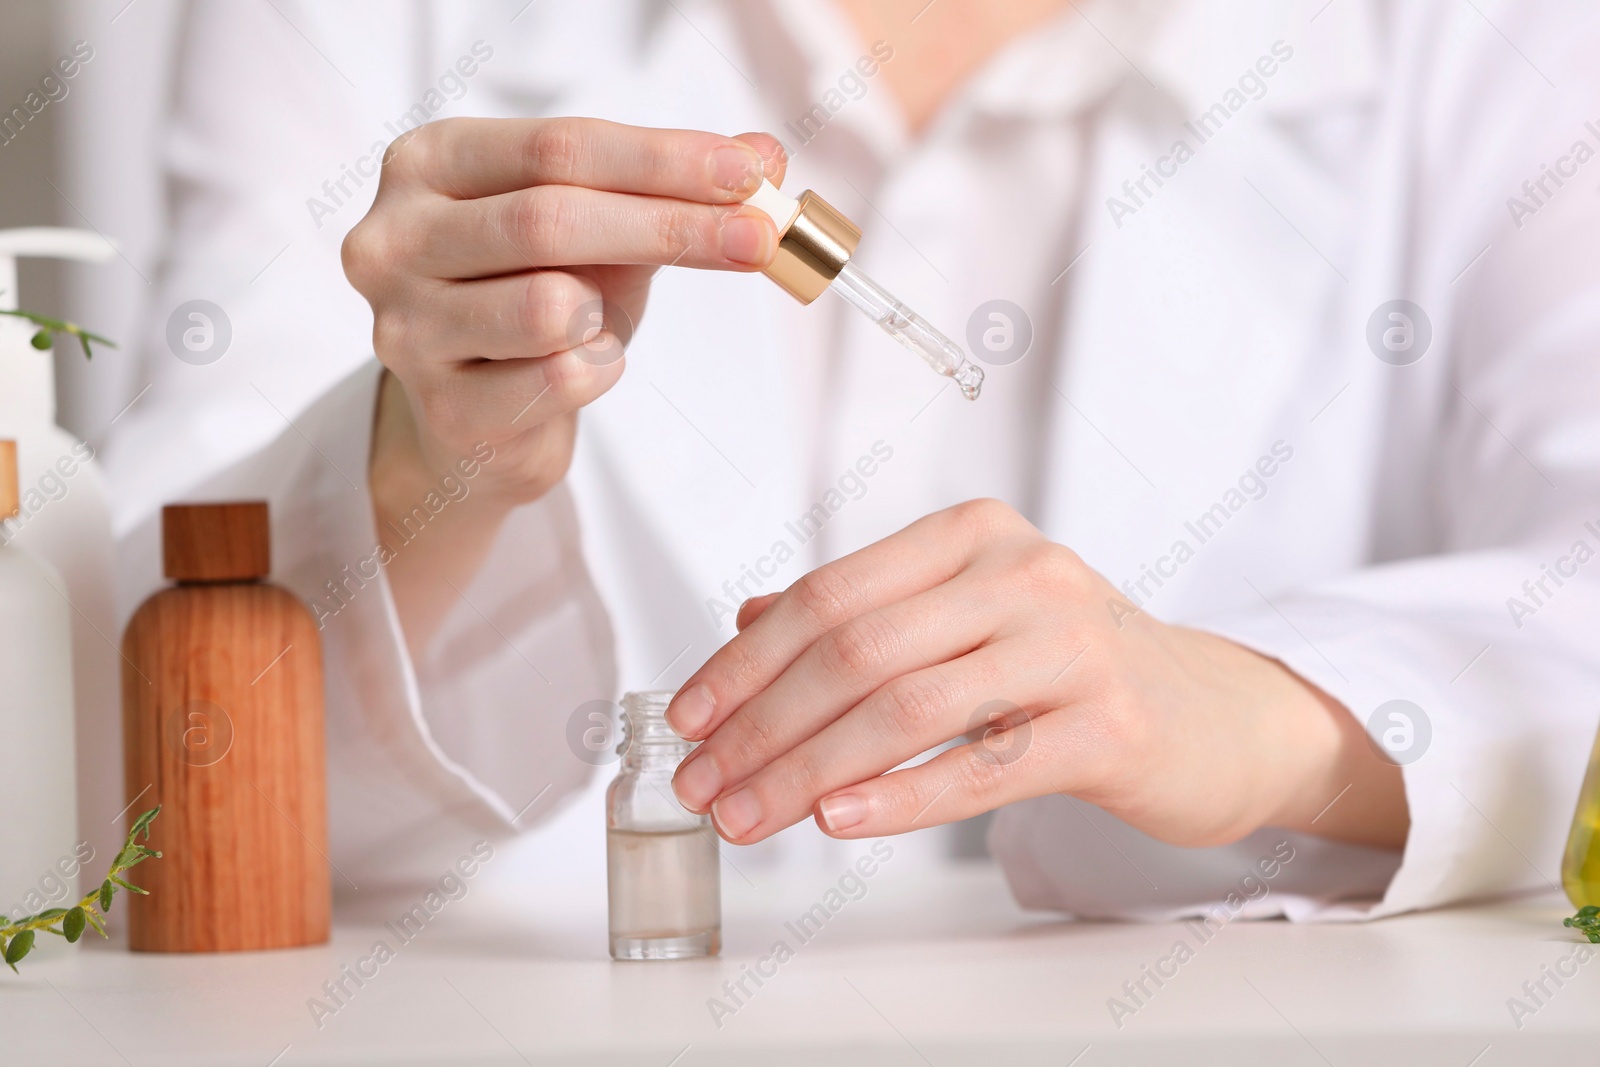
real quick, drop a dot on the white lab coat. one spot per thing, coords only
(1222, 320)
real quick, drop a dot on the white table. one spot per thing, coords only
(920, 970)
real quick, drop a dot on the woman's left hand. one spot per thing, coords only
(969, 622)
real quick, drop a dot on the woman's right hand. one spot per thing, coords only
(491, 248)
(488, 255)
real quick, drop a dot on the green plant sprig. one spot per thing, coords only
(1586, 922)
(16, 935)
(48, 328)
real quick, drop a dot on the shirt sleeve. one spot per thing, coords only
(1467, 644)
(1475, 666)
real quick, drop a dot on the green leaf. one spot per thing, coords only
(16, 943)
(84, 337)
(1586, 922)
(49, 327)
(142, 823)
(38, 320)
(20, 946)
(136, 856)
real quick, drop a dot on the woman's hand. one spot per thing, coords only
(506, 261)
(970, 622)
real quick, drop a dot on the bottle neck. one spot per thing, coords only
(648, 743)
(201, 583)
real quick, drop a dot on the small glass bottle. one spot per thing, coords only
(661, 860)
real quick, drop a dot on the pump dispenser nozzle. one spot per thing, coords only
(49, 241)
(815, 244)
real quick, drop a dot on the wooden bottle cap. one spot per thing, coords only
(10, 498)
(228, 542)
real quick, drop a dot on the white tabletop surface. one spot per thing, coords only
(926, 968)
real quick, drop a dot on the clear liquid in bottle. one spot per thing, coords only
(665, 894)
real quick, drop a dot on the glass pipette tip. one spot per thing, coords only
(909, 328)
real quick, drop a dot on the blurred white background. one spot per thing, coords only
(89, 160)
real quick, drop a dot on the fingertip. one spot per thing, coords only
(752, 609)
(690, 712)
(737, 816)
(840, 814)
(736, 169)
(774, 160)
(749, 239)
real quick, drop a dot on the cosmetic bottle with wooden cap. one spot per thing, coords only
(223, 727)
(38, 802)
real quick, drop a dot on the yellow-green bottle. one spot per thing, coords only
(1580, 867)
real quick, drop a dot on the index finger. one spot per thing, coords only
(470, 158)
(930, 551)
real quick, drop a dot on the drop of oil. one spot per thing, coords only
(969, 376)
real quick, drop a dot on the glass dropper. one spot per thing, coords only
(814, 250)
(909, 328)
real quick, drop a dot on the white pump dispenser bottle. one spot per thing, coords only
(64, 521)
(39, 850)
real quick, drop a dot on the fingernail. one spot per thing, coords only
(690, 711)
(842, 812)
(738, 814)
(748, 238)
(696, 782)
(736, 169)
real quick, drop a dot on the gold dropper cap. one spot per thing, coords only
(10, 497)
(815, 242)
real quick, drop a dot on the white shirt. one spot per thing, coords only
(1200, 375)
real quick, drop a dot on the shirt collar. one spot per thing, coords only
(1068, 64)
(828, 49)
